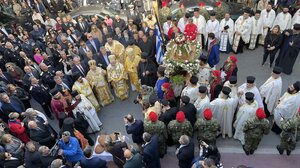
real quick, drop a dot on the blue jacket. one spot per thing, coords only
(72, 150)
(137, 130)
(159, 83)
(214, 55)
(151, 153)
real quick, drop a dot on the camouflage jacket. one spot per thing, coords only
(255, 128)
(176, 129)
(290, 126)
(157, 127)
(206, 129)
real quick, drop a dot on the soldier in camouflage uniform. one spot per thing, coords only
(207, 128)
(254, 130)
(220, 12)
(157, 127)
(289, 137)
(203, 11)
(179, 127)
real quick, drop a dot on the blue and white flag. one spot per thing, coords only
(159, 42)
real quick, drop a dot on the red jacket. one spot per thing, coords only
(18, 130)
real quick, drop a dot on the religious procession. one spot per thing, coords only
(149, 83)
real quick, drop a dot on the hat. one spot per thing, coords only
(203, 58)
(112, 58)
(166, 85)
(144, 55)
(219, 3)
(249, 96)
(250, 79)
(232, 79)
(153, 116)
(260, 113)
(233, 58)
(194, 80)
(216, 73)
(297, 85)
(152, 99)
(247, 10)
(202, 89)
(226, 90)
(130, 51)
(196, 9)
(212, 13)
(296, 26)
(277, 70)
(185, 99)
(76, 75)
(13, 115)
(93, 62)
(180, 116)
(181, 4)
(54, 91)
(164, 4)
(207, 114)
(201, 4)
(165, 102)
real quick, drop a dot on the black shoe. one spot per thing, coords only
(246, 152)
(288, 152)
(251, 152)
(279, 150)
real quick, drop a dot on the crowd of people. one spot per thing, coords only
(74, 67)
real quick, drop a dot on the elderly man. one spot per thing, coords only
(133, 159)
(32, 156)
(79, 67)
(40, 133)
(69, 148)
(185, 153)
(10, 104)
(47, 75)
(45, 156)
(151, 154)
(94, 42)
(115, 48)
(136, 128)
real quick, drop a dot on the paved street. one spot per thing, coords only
(266, 156)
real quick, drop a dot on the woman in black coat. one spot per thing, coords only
(273, 42)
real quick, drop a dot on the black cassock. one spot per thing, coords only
(148, 48)
(288, 54)
(151, 78)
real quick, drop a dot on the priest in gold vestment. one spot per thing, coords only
(117, 75)
(131, 64)
(136, 49)
(97, 80)
(82, 86)
(115, 47)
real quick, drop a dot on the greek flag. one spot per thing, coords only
(159, 42)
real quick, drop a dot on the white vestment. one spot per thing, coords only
(223, 111)
(287, 108)
(242, 26)
(192, 92)
(253, 90)
(212, 27)
(86, 107)
(201, 105)
(245, 112)
(181, 24)
(268, 20)
(200, 22)
(271, 91)
(296, 18)
(234, 89)
(284, 21)
(257, 29)
(204, 75)
(227, 35)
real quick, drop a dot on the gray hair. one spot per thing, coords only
(184, 140)
(146, 137)
(57, 163)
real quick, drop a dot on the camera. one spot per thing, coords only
(136, 101)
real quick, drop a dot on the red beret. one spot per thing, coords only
(166, 85)
(233, 58)
(207, 114)
(181, 5)
(180, 117)
(153, 116)
(260, 113)
(218, 3)
(201, 4)
(163, 4)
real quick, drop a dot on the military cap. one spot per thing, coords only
(249, 96)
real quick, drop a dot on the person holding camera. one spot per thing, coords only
(116, 148)
(136, 128)
(289, 135)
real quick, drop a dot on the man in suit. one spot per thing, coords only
(151, 151)
(84, 48)
(94, 42)
(88, 161)
(67, 78)
(10, 104)
(6, 78)
(79, 67)
(82, 26)
(40, 133)
(185, 153)
(47, 75)
(136, 128)
(62, 84)
(103, 58)
(133, 159)
(28, 74)
(40, 93)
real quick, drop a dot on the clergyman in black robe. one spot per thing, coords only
(147, 71)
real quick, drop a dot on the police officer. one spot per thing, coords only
(289, 135)
(254, 130)
(40, 93)
(47, 75)
(154, 126)
(179, 127)
(206, 128)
